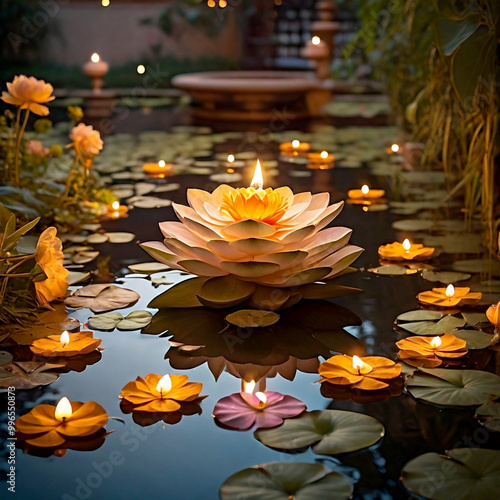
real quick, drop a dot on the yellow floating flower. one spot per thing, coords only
(65, 345)
(405, 251)
(29, 93)
(49, 257)
(86, 141)
(156, 393)
(449, 297)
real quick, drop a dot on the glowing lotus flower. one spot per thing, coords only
(86, 141)
(29, 93)
(271, 238)
(493, 314)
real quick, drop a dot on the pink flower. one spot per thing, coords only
(86, 141)
(241, 410)
(37, 148)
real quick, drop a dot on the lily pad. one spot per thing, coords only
(5, 357)
(109, 321)
(148, 267)
(445, 277)
(27, 374)
(456, 243)
(225, 291)
(181, 295)
(475, 318)
(283, 481)
(120, 237)
(104, 297)
(84, 257)
(419, 315)
(412, 225)
(96, 238)
(392, 270)
(76, 277)
(454, 387)
(252, 318)
(329, 432)
(445, 325)
(478, 266)
(489, 415)
(462, 474)
(474, 338)
(149, 202)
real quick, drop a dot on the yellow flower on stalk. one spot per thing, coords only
(49, 257)
(29, 93)
(86, 141)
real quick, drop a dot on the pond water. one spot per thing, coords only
(189, 460)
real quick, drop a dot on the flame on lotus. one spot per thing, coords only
(64, 339)
(450, 291)
(248, 387)
(258, 179)
(407, 245)
(95, 57)
(295, 143)
(63, 409)
(324, 155)
(230, 158)
(436, 342)
(357, 363)
(115, 205)
(315, 40)
(164, 384)
(261, 396)
(365, 189)
(395, 148)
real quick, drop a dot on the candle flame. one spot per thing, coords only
(262, 398)
(64, 338)
(258, 180)
(315, 40)
(450, 291)
(248, 387)
(115, 205)
(63, 409)
(365, 189)
(407, 245)
(141, 69)
(324, 155)
(230, 158)
(295, 143)
(164, 384)
(436, 342)
(95, 57)
(360, 365)
(395, 148)
(161, 163)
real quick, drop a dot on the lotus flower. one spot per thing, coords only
(270, 238)
(29, 93)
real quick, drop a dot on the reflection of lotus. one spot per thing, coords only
(145, 418)
(247, 242)
(347, 393)
(308, 330)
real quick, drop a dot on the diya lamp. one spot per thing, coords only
(160, 169)
(65, 345)
(96, 69)
(405, 251)
(393, 149)
(365, 195)
(116, 211)
(449, 297)
(294, 148)
(321, 161)
(318, 52)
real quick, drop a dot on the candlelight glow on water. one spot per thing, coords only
(63, 409)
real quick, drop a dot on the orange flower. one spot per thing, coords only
(449, 297)
(368, 373)
(49, 257)
(44, 426)
(160, 394)
(445, 346)
(398, 251)
(86, 141)
(493, 314)
(29, 93)
(54, 346)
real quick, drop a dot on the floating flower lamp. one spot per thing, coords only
(365, 195)
(322, 161)
(116, 211)
(394, 148)
(243, 410)
(449, 297)
(294, 148)
(49, 426)
(160, 169)
(156, 393)
(65, 345)
(405, 251)
(426, 351)
(367, 373)
(240, 238)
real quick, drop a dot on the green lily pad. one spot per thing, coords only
(392, 270)
(445, 277)
(109, 321)
(462, 474)
(182, 294)
(475, 318)
(283, 481)
(253, 318)
(412, 225)
(454, 387)
(474, 338)
(456, 243)
(489, 415)
(329, 432)
(445, 325)
(419, 315)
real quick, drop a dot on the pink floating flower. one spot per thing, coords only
(241, 410)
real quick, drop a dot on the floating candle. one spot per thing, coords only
(116, 211)
(365, 194)
(394, 148)
(294, 147)
(405, 251)
(65, 345)
(449, 297)
(322, 161)
(160, 169)
(368, 373)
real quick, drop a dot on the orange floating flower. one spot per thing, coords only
(158, 393)
(444, 346)
(365, 194)
(493, 314)
(29, 93)
(49, 256)
(86, 141)
(405, 251)
(367, 373)
(65, 345)
(48, 426)
(449, 297)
